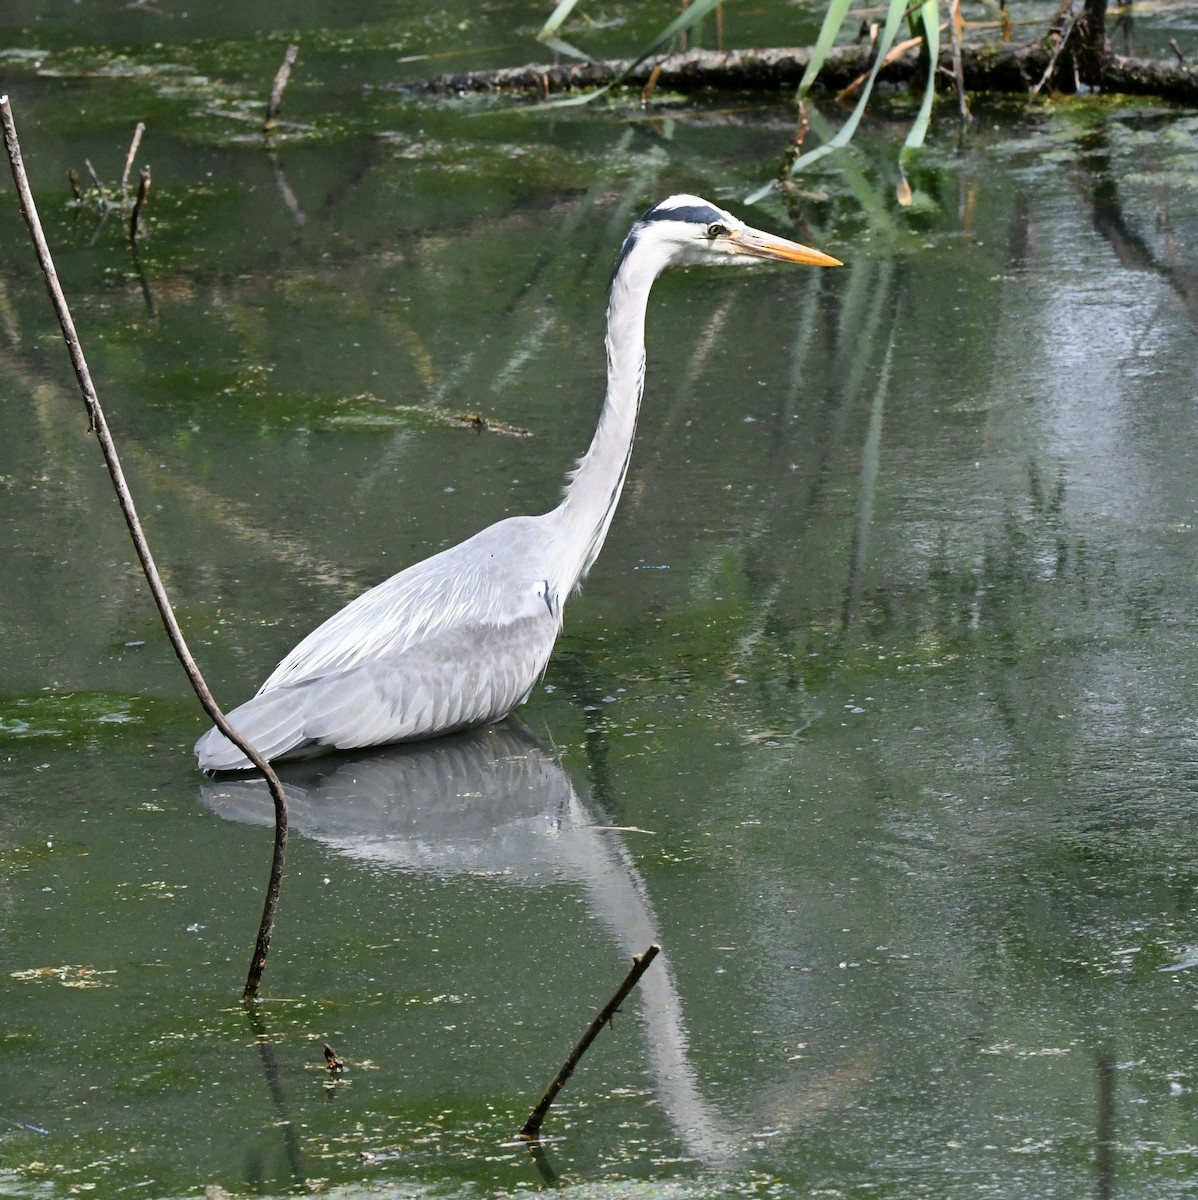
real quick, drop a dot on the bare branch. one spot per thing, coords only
(133, 145)
(640, 964)
(987, 67)
(143, 192)
(276, 92)
(87, 162)
(98, 423)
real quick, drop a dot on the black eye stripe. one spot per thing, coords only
(699, 214)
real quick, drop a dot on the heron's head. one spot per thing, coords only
(687, 229)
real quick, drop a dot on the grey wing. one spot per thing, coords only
(459, 678)
(456, 641)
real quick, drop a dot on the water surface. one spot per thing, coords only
(876, 711)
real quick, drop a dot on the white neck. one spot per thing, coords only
(586, 511)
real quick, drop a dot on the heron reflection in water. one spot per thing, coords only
(459, 639)
(495, 802)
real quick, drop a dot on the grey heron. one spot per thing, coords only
(460, 639)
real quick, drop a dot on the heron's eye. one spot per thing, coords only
(716, 231)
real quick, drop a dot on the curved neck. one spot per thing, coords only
(586, 510)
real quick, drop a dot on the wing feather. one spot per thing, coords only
(458, 640)
(487, 579)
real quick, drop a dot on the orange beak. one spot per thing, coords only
(756, 244)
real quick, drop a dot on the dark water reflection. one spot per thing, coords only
(877, 711)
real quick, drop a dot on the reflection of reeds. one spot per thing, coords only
(768, 547)
(522, 317)
(867, 485)
(1130, 247)
(57, 412)
(708, 339)
(8, 316)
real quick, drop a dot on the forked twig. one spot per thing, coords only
(640, 963)
(97, 422)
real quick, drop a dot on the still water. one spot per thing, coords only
(877, 711)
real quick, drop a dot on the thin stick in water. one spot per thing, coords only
(133, 145)
(98, 424)
(103, 191)
(143, 192)
(640, 964)
(276, 92)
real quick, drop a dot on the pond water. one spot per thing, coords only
(877, 712)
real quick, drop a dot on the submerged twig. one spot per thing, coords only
(143, 192)
(87, 162)
(104, 203)
(474, 420)
(133, 145)
(98, 423)
(792, 152)
(640, 964)
(540, 1160)
(276, 92)
(1105, 1143)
